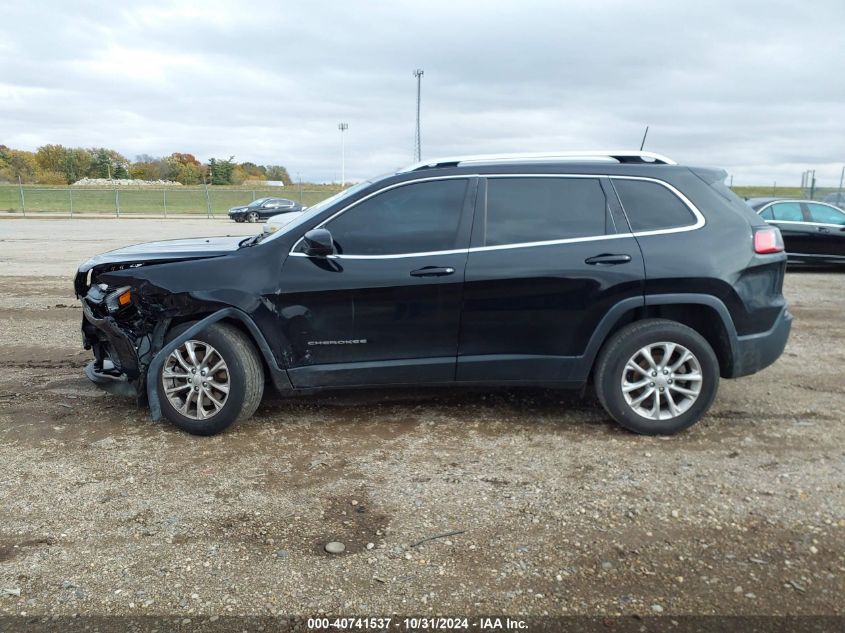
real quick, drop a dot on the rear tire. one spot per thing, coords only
(656, 377)
(210, 404)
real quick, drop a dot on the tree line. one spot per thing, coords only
(59, 165)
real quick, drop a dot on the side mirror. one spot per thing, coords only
(318, 243)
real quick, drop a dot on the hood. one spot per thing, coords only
(238, 209)
(168, 250)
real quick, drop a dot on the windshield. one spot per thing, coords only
(318, 208)
(257, 203)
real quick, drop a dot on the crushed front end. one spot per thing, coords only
(121, 335)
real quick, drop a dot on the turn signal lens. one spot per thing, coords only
(118, 299)
(768, 240)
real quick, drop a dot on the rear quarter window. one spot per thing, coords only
(650, 206)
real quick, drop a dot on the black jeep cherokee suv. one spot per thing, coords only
(649, 278)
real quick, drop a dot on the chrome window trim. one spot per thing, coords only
(835, 226)
(479, 249)
(567, 240)
(457, 251)
(700, 221)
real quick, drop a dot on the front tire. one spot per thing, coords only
(656, 377)
(252, 217)
(211, 381)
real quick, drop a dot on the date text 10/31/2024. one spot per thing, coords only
(418, 623)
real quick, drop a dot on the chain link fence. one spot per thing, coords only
(216, 201)
(809, 187)
(141, 200)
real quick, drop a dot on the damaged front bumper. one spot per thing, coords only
(106, 379)
(115, 367)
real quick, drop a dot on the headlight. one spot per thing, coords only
(118, 299)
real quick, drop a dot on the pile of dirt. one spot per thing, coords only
(124, 182)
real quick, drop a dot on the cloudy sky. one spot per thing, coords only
(755, 87)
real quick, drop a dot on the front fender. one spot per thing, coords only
(277, 374)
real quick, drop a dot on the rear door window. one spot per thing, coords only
(824, 214)
(537, 209)
(650, 206)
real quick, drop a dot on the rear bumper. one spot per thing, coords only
(757, 351)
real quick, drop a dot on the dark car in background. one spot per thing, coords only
(263, 208)
(813, 232)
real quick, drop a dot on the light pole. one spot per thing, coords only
(418, 73)
(342, 127)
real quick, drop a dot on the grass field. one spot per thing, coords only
(778, 192)
(129, 200)
(176, 200)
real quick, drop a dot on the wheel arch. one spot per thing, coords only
(706, 314)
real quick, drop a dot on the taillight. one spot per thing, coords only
(768, 240)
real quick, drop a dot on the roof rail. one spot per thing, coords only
(620, 156)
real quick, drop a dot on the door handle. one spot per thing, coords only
(822, 229)
(607, 259)
(433, 271)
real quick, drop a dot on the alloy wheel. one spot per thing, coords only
(661, 381)
(196, 380)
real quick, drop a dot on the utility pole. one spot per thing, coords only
(23, 198)
(207, 196)
(342, 127)
(418, 73)
(839, 193)
(812, 184)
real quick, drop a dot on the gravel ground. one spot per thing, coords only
(558, 510)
